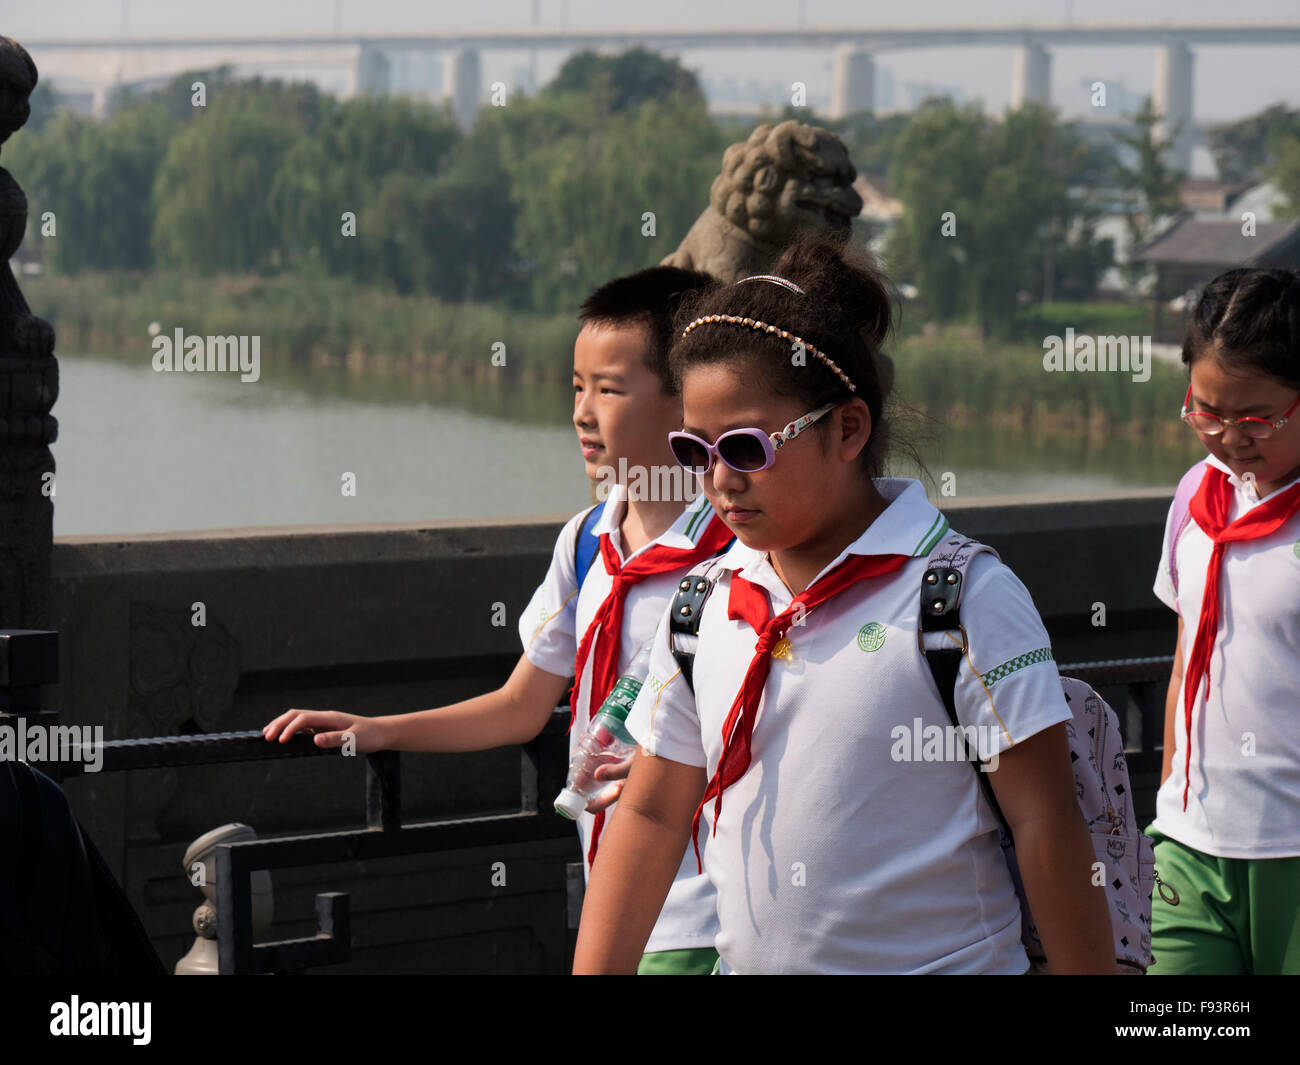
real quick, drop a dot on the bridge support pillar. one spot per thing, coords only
(853, 82)
(461, 77)
(1172, 99)
(370, 74)
(99, 99)
(1031, 75)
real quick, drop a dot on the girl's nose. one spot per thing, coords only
(725, 479)
(1234, 436)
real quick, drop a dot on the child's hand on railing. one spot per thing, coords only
(330, 728)
(617, 772)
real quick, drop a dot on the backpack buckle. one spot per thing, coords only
(965, 643)
(688, 603)
(940, 597)
(684, 621)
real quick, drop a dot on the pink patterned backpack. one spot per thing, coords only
(1124, 853)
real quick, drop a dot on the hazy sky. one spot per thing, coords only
(1230, 82)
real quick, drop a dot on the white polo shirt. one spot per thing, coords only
(1244, 801)
(834, 855)
(551, 626)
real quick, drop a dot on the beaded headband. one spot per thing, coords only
(754, 323)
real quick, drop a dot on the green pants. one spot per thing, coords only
(1234, 915)
(698, 961)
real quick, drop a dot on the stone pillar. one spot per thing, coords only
(1031, 75)
(1171, 96)
(461, 78)
(853, 81)
(370, 75)
(29, 384)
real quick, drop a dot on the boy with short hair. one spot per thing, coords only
(591, 624)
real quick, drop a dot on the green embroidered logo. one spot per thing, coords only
(871, 636)
(1295, 549)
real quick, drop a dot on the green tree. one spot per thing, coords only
(1151, 182)
(1244, 151)
(474, 221)
(97, 179)
(624, 82)
(989, 217)
(340, 166)
(1285, 174)
(870, 139)
(1024, 213)
(588, 199)
(43, 105)
(937, 173)
(212, 190)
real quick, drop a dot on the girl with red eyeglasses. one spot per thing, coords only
(830, 851)
(1227, 820)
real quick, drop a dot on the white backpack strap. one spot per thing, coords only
(942, 587)
(952, 554)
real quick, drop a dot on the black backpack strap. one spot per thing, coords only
(942, 585)
(684, 621)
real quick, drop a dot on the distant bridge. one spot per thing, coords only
(106, 61)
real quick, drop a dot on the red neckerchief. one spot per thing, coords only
(749, 603)
(602, 635)
(1209, 508)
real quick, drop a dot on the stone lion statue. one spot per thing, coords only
(785, 180)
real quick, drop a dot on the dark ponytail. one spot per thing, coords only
(1249, 319)
(846, 312)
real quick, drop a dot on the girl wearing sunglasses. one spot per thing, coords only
(1227, 825)
(830, 852)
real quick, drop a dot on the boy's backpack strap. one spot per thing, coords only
(586, 544)
(1181, 515)
(942, 587)
(684, 622)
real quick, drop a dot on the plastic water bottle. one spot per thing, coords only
(606, 740)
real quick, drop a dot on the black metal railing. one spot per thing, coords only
(1146, 680)
(543, 765)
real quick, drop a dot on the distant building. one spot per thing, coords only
(1265, 201)
(877, 203)
(1208, 196)
(1192, 251)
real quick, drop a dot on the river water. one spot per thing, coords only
(140, 451)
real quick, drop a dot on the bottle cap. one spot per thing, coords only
(570, 804)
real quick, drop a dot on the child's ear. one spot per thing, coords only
(855, 428)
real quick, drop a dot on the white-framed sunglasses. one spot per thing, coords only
(744, 450)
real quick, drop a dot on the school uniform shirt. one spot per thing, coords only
(1244, 799)
(842, 849)
(552, 625)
